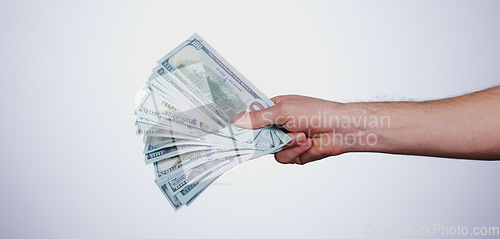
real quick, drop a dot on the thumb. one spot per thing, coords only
(259, 118)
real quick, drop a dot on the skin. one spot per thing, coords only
(466, 127)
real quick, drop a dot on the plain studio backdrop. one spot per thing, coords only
(72, 166)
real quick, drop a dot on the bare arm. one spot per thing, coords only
(467, 126)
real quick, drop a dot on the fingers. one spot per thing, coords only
(259, 119)
(303, 154)
(290, 155)
(316, 152)
(297, 139)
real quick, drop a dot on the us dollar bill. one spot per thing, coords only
(181, 163)
(184, 114)
(196, 68)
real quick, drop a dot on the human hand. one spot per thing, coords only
(313, 125)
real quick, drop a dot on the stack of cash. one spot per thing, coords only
(185, 116)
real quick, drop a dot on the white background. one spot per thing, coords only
(72, 167)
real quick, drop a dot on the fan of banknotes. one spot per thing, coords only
(185, 116)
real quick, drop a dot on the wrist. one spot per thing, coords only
(367, 126)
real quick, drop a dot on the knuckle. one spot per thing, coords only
(285, 108)
(255, 115)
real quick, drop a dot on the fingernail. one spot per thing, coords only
(301, 138)
(307, 144)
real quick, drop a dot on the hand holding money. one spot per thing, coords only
(185, 116)
(314, 124)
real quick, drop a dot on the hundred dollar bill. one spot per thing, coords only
(186, 190)
(156, 143)
(175, 165)
(177, 182)
(180, 100)
(198, 69)
(261, 139)
(150, 126)
(173, 199)
(150, 129)
(165, 167)
(179, 150)
(165, 115)
(167, 184)
(196, 186)
(187, 115)
(167, 100)
(157, 110)
(184, 113)
(172, 166)
(161, 154)
(156, 84)
(192, 189)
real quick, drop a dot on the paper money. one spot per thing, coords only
(185, 117)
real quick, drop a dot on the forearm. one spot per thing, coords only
(461, 127)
